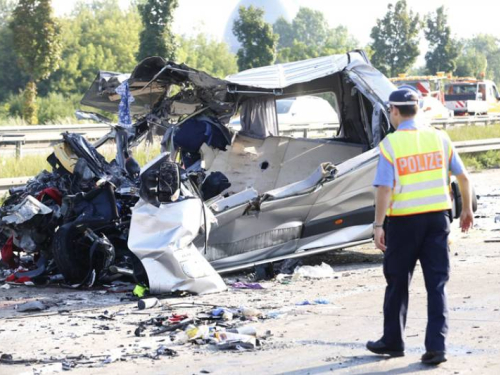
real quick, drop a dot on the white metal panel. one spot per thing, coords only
(284, 75)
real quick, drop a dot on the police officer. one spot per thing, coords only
(412, 183)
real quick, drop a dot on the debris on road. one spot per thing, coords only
(315, 272)
(32, 306)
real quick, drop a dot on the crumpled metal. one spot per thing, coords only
(25, 211)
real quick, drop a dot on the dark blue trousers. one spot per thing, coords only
(422, 237)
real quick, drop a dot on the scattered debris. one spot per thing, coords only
(243, 285)
(496, 239)
(315, 272)
(32, 306)
(148, 303)
(319, 301)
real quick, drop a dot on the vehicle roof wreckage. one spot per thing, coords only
(213, 201)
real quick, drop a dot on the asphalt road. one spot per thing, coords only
(312, 339)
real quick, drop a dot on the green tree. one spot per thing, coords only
(96, 36)
(156, 38)
(395, 40)
(489, 45)
(12, 78)
(285, 31)
(480, 57)
(309, 36)
(471, 63)
(443, 49)
(6, 8)
(258, 42)
(339, 40)
(36, 37)
(310, 27)
(208, 55)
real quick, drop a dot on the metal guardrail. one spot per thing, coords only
(8, 183)
(462, 147)
(37, 136)
(480, 145)
(34, 129)
(466, 120)
(41, 136)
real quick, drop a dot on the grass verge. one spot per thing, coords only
(31, 165)
(479, 160)
(469, 133)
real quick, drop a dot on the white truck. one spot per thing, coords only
(469, 96)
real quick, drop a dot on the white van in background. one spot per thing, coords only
(308, 110)
(306, 115)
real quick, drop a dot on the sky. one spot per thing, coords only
(466, 18)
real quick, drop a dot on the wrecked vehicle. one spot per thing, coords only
(220, 200)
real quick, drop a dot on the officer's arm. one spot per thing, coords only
(382, 204)
(467, 217)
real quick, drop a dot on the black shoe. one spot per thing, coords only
(433, 358)
(378, 347)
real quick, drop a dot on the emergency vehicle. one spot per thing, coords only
(432, 89)
(432, 86)
(470, 96)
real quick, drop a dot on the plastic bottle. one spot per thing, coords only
(148, 303)
(229, 336)
(246, 330)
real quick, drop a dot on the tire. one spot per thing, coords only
(71, 252)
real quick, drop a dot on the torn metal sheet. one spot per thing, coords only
(162, 238)
(25, 211)
(222, 204)
(324, 171)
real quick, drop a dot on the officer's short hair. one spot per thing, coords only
(408, 110)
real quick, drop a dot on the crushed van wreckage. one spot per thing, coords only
(213, 199)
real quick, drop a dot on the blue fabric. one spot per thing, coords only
(421, 237)
(198, 130)
(385, 170)
(124, 117)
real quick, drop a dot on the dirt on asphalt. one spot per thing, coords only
(94, 330)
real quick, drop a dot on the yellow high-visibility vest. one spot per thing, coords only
(421, 160)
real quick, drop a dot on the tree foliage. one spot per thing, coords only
(12, 79)
(6, 8)
(310, 27)
(36, 41)
(480, 57)
(208, 55)
(443, 49)
(471, 63)
(36, 38)
(395, 40)
(309, 36)
(156, 38)
(96, 36)
(285, 31)
(258, 42)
